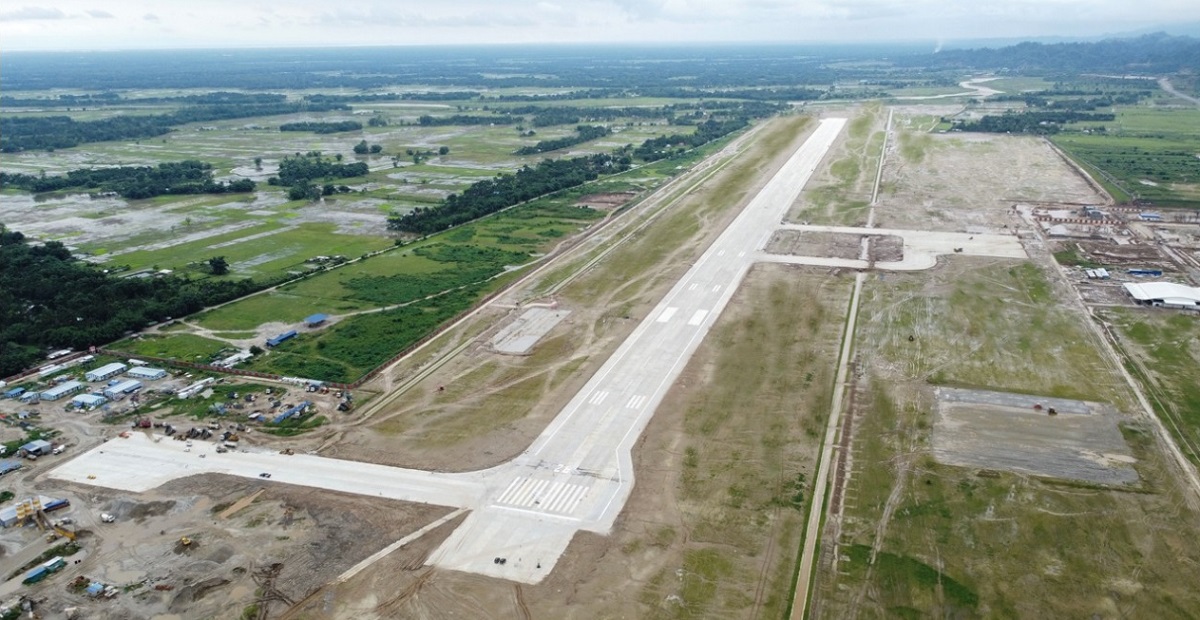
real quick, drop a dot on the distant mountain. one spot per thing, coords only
(1154, 53)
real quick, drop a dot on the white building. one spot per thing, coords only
(146, 372)
(88, 401)
(61, 390)
(1164, 294)
(106, 371)
(122, 388)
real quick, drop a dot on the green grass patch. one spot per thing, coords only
(182, 347)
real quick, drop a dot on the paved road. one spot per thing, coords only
(577, 475)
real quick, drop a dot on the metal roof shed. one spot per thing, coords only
(145, 372)
(315, 319)
(105, 371)
(88, 400)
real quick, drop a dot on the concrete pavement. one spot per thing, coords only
(578, 474)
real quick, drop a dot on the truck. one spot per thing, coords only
(107, 518)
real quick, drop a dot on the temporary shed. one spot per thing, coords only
(38, 447)
(1166, 294)
(106, 371)
(277, 340)
(61, 390)
(315, 319)
(9, 467)
(15, 392)
(146, 372)
(88, 400)
(124, 387)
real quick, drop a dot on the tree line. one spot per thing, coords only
(19, 133)
(583, 133)
(50, 300)
(491, 195)
(427, 120)
(106, 98)
(663, 147)
(1037, 123)
(133, 182)
(322, 127)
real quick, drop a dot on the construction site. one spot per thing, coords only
(922, 357)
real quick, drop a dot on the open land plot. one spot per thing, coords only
(841, 193)
(714, 519)
(968, 182)
(1163, 352)
(237, 527)
(919, 537)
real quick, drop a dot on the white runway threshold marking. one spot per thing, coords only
(519, 510)
(667, 314)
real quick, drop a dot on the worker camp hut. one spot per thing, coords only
(61, 390)
(122, 388)
(106, 371)
(315, 320)
(7, 467)
(15, 392)
(147, 373)
(88, 401)
(37, 447)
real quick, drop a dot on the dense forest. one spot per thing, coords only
(133, 182)
(21, 133)
(489, 196)
(50, 300)
(583, 133)
(322, 127)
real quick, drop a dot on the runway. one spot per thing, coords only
(577, 475)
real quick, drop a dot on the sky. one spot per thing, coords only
(160, 24)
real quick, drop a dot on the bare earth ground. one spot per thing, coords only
(314, 534)
(834, 245)
(967, 182)
(713, 523)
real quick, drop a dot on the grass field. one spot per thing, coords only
(1164, 351)
(953, 542)
(183, 347)
(740, 495)
(1146, 154)
(843, 196)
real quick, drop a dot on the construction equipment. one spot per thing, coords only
(287, 451)
(185, 541)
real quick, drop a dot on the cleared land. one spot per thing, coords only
(917, 537)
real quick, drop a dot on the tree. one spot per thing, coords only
(218, 265)
(258, 163)
(338, 157)
(444, 150)
(377, 121)
(256, 350)
(376, 149)
(361, 148)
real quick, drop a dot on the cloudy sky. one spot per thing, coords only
(132, 24)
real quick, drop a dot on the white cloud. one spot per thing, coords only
(212, 23)
(27, 13)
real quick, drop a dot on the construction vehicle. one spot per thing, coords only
(287, 451)
(60, 531)
(185, 541)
